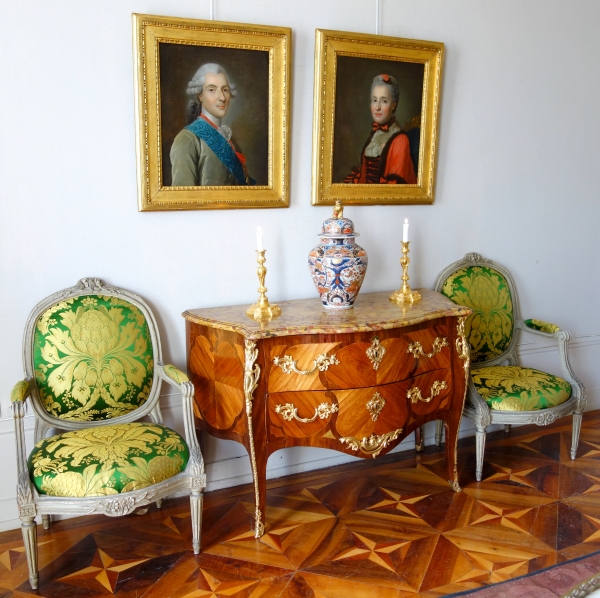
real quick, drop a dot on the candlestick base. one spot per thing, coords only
(262, 309)
(263, 312)
(402, 296)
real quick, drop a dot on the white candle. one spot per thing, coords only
(259, 238)
(405, 231)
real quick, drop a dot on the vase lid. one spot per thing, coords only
(337, 226)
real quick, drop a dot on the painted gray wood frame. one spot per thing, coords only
(192, 480)
(476, 407)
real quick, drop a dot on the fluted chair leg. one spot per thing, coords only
(30, 541)
(577, 417)
(46, 521)
(196, 515)
(479, 450)
(439, 426)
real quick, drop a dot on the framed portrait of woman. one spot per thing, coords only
(375, 122)
(212, 110)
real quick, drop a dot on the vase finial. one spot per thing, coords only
(338, 209)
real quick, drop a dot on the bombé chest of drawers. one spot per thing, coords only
(356, 381)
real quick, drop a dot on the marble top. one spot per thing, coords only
(371, 311)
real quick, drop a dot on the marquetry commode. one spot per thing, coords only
(356, 381)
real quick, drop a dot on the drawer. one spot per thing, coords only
(300, 367)
(367, 411)
(366, 360)
(300, 414)
(359, 412)
(429, 392)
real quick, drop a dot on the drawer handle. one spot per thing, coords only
(417, 349)
(322, 362)
(375, 406)
(414, 394)
(290, 412)
(371, 445)
(376, 352)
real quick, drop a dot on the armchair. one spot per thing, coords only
(506, 394)
(93, 367)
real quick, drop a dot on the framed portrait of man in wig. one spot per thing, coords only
(375, 119)
(212, 110)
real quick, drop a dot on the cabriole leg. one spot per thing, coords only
(30, 540)
(577, 417)
(420, 439)
(46, 521)
(479, 450)
(196, 514)
(439, 425)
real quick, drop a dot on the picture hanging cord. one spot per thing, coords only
(212, 10)
(377, 17)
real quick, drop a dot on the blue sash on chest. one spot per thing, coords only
(221, 148)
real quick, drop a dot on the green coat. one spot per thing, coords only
(194, 164)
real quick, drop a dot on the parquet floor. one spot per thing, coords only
(389, 527)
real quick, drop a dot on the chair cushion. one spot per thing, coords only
(107, 459)
(513, 388)
(93, 358)
(490, 328)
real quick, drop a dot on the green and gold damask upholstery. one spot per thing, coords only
(490, 328)
(19, 391)
(542, 326)
(106, 460)
(514, 388)
(93, 358)
(175, 373)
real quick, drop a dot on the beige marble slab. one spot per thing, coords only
(371, 311)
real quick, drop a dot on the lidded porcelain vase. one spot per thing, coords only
(338, 265)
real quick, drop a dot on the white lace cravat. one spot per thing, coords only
(224, 130)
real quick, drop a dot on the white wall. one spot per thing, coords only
(517, 176)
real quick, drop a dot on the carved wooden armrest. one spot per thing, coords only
(18, 396)
(173, 375)
(541, 326)
(562, 338)
(20, 392)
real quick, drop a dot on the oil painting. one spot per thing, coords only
(212, 114)
(376, 119)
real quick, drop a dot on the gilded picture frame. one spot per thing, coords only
(171, 55)
(350, 69)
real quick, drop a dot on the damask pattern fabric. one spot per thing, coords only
(175, 373)
(107, 460)
(19, 391)
(93, 358)
(490, 328)
(513, 388)
(542, 326)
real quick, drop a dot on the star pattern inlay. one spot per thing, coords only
(516, 474)
(376, 552)
(104, 569)
(404, 503)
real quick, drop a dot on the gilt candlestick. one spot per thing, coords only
(404, 294)
(262, 309)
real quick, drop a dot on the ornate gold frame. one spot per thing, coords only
(149, 31)
(331, 44)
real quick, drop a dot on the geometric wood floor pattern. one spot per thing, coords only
(383, 528)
